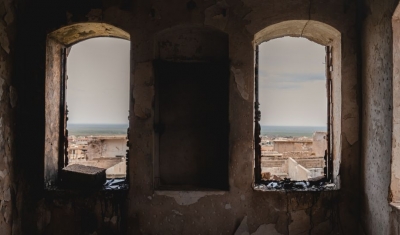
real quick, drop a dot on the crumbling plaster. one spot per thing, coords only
(74, 33)
(146, 211)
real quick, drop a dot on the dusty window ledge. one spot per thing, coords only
(111, 185)
(297, 186)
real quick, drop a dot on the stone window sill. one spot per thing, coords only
(111, 185)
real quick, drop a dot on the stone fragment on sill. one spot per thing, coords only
(80, 176)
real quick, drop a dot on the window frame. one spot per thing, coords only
(56, 134)
(325, 35)
(288, 184)
(394, 190)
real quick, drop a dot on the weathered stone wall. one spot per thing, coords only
(319, 145)
(106, 148)
(161, 212)
(52, 119)
(8, 102)
(242, 21)
(377, 114)
(298, 154)
(282, 147)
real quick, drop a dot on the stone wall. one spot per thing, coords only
(98, 147)
(292, 146)
(319, 143)
(377, 90)
(143, 210)
(8, 103)
(298, 154)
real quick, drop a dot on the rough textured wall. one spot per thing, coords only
(8, 102)
(182, 212)
(52, 119)
(377, 114)
(164, 212)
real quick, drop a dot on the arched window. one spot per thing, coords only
(93, 60)
(281, 151)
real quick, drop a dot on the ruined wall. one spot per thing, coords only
(319, 144)
(106, 148)
(241, 20)
(281, 146)
(147, 211)
(52, 111)
(377, 114)
(115, 147)
(8, 102)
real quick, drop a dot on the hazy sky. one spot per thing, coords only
(292, 88)
(291, 83)
(98, 81)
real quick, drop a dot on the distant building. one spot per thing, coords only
(295, 158)
(108, 152)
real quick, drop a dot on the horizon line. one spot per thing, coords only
(81, 123)
(292, 126)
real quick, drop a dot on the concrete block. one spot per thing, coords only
(80, 176)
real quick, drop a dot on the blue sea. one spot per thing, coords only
(96, 129)
(120, 129)
(291, 131)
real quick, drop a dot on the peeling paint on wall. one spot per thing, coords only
(300, 222)
(266, 229)
(243, 229)
(186, 198)
(240, 82)
(216, 15)
(144, 90)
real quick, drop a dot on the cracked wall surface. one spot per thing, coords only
(147, 211)
(377, 89)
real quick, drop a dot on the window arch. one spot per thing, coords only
(330, 37)
(57, 45)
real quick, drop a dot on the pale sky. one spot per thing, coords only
(292, 78)
(98, 81)
(292, 88)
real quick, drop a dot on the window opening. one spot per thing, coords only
(193, 125)
(293, 114)
(191, 110)
(95, 110)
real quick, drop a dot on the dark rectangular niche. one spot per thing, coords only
(193, 124)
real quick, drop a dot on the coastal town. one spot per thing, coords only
(106, 152)
(296, 158)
